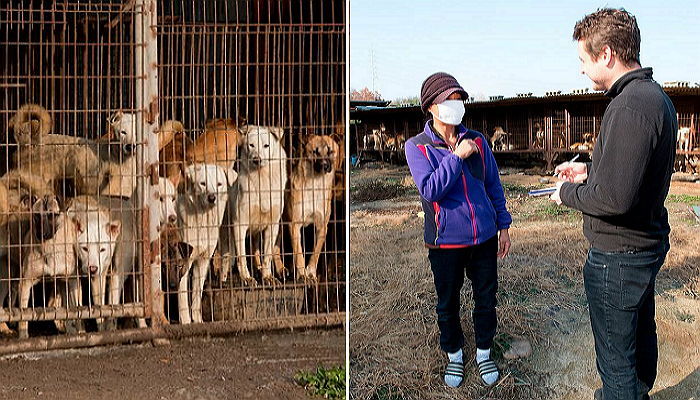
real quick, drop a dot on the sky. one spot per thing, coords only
(505, 47)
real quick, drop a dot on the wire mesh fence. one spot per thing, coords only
(171, 162)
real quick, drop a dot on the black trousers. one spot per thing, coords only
(449, 267)
(620, 292)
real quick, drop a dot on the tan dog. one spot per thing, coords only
(117, 154)
(498, 139)
(173, 144)
(49, 251)
(539, 137)
(587, 145)
(309, 201)
(219, 143)
(56, 158)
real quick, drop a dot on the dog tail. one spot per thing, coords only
(167, 132)
(30, 121)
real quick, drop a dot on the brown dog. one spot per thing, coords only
(309, 201)
(173, 145)
(219, 143)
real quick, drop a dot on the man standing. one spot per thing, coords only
(621, 194)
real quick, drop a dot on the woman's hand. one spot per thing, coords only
(503, 243)
(466, 148)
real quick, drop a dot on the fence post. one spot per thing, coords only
(146, 57)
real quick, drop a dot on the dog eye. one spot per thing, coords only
(102, 250)
(266, 146)
(123, 133)
(251, 145)
(218, 184)
(85, 249)
(203, 183)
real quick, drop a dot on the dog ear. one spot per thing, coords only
(78, 224)
(114, 228)
(231, 176)
(185, 249)
(115, 118)
(277, 132)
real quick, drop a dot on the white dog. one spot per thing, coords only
(201, 202)
(256, 202)
(97, 238)
(124, 259)
(117, 151)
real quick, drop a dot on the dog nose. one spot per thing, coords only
(255, 162)
(129, 148)
(173, 285)
(326, 166)
(93, 269)
(172, 219)
(212, 198)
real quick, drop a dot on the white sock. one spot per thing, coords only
(482, 355)
(451, 380)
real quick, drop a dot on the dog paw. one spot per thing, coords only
(249, 281)
(271, 281)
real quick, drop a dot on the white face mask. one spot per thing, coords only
(450, 112)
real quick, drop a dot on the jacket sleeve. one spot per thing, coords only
(432, 183)
(629, 141)
(494, 189)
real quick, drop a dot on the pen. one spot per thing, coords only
(570, 161)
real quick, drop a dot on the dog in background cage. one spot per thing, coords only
(498, 139)
(201, 202)
(256, 203)
(588, 143)
(309, 202)
(539, 137)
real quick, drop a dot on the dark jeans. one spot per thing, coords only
(449, 267)
(620, 291)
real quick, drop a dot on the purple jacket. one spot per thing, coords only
(463, 200)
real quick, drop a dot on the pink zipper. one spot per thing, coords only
(471, 208)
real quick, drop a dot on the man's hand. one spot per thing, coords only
(503, 243)
(555, 196)
(466, 148)
(575, 172)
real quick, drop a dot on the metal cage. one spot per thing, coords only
(184, 138)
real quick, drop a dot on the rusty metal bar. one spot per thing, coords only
(171, 332)
(49, 314)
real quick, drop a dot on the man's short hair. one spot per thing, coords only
(611, 27)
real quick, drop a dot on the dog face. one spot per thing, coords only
(261, 145)
(178, 255)
(208, 183)
(167, 202)
(322, 151)
(97, 237)
(45, 212)
(124, 128)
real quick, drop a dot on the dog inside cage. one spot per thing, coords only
(176, 167)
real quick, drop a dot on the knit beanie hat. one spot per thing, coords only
(437, 88)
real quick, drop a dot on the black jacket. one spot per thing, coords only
(623, 199)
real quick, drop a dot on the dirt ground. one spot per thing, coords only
(394, 352)
(249, 366)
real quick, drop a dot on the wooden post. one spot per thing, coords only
(146, 40)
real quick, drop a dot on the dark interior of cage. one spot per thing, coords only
(249, 60)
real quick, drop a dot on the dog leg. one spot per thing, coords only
(25, 287)
(56, 301)
(98, 284)
(321, 229)
(4, 292)
(295, 234)
(75, 299)
(199, 275)
(116, 283)
(183, 301)
(241, 261)
(270, 238)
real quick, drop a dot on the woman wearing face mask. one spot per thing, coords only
(466, 221)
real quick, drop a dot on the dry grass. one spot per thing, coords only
(394, 348)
